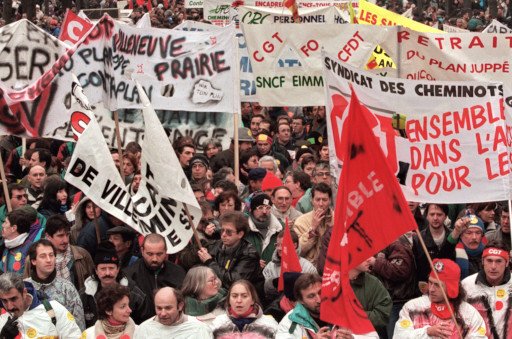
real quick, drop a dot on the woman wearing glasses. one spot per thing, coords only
(204, 296)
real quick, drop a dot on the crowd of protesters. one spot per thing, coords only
(71, 269)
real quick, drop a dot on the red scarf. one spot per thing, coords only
(244, 315)
(441, 310)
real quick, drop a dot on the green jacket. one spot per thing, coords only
(264, 246)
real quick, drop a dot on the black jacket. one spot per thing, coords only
(148, 280)
(230, 265)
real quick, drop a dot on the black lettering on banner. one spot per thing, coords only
(80, 169)
(190, 68)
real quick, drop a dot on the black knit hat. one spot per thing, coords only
(260, 199)
(106, 254)
(289, 279)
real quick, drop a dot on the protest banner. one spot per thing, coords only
(193, 3)
(259, 16)
(200, 126)
(184, 70)
(158, 204)
(453, 29)
(445, 141)
(73, 28)
(496, 27)
(286, 59)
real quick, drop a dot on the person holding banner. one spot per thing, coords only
(429, 316)
(489, 290)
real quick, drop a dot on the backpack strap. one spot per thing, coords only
(293, 327)
(49, 309)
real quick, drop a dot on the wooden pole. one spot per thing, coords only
(119, 145)
(97, 226)
(445, 297)
(4, 186)
(236, 149)
(196, 235)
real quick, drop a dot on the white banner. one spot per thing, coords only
(454, 29)
(325, 15)
(286, 59)
(151, 209)
(190, 71)
(497, 27)
(449, 141)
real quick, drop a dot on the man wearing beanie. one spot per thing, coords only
(429, 315)
(264, 143)
(107, 273)
(263, 227)
(489, 290)
(199, 166)
(468, 251)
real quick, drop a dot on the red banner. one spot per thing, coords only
(371, 212)
(289, 258)
(74, 28)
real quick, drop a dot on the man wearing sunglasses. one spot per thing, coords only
(232, 257)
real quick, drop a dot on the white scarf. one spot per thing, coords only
(19, 240)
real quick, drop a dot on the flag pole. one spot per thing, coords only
(445, 297)
(4, 186)
(236, 149)
(119, 145)
(194, 230)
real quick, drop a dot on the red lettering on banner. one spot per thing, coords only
(447, 180)
(435, 154)
(503, 166)
(476, 42)
(367, 17)
(351, 46)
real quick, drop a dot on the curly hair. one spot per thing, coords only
(108, 296)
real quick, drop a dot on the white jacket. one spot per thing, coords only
(496, 297)
(415, 318)
(190, 328)
(36, 323)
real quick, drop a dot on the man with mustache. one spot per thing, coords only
(107, 272)
(468, 251)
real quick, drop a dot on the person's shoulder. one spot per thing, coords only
(267, 320)
(469, 281)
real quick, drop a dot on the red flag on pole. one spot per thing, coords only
(293, 7)
(73, 28)
(289, 258)
(371, 212)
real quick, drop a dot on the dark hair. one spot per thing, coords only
(250, 288)
(238, 219)
(497, 244)
(225, 196)
(303, 282)
(485, 206)
(21, 218)
(108, 296)
(133, 147)
(221, 174)
(322, 188)
(302, 178)
(280, 188)
(197, 188)
(53, 185)
(226, 186)
(44, 156)
(308, 158)
(443, 207)
(55, 223)
(154, 238)
(457, 301)
(14, 186)
(245, 156)
(32, 250)
(182, 142)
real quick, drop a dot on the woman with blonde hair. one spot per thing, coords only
(203, 293)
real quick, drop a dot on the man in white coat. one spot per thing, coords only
(170, 320)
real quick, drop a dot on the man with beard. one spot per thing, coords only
(106, 274)
(171, 320)
(468, 251)
(263, 227)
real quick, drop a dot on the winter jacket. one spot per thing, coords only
(97, 331)
(310, 245)
(206, 310)
(397, 270)
(298, 324)
(231, 264)
(187, 328)
(415, 317)
(149, 280)
(498, 235)
(64, 292)
(494, 303)
(262, 327)
(87, 237)
(446, 251)
(292, 214)
(305, 204)
(139, 302)
(36, 323)
(265, 246)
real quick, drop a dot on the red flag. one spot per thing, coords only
(371, 212)
(289, 258)
(74, 28)
(293, 7)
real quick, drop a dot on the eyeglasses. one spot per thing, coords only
(20, 197)
(323, 174)
(263, 208)
(228, 232)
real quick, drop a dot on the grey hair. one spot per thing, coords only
(196, 280)
(10, 280)
(266, 158)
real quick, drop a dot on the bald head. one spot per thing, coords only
(168, 305)
(36, 176)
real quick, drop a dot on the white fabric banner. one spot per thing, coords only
(447, 145)
(496, 27)
(286, 59)
(151, 209)
(190, 71)
(454, 29)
